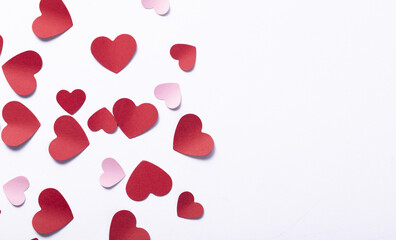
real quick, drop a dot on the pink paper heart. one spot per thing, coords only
(161, 7)
(170, 92)
(112, 173)
(15, 190)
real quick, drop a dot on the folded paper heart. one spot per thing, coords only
(187, 208)
(114, 55)
(112, 173)
(15, 190)
(71, 102)
(134, 120)
(71, 139)
(186, 54)
(102, 119)
(20, 70)
(123, 227)
(170, 92)
(161, 7)
(22, 124)
(189, 139)
(148, 178)
(55, 19)
(55, 212)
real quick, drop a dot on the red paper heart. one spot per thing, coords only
(1, 43)
(114, 55)
(134, 120)
(123, 227)
(55, 19)
(186, 54)
(19, 72)
(189, 139)
(71, 139)
(55, 213)
(22, 124)
(187, 208)
(148, 178)
(102, 119)
(71, 102)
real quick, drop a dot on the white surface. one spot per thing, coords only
(299, 97)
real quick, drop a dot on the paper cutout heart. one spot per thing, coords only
(71, 139)
(134, 120)
(15, 190)
(186, 54)
(1, 44)
(189, 139)
(71, 102)
(112, 173)
(55, 212)
(102, 119)
(21, 124)
(170, 92)
(187, 208)
(114, 55)
(123, 227)
(19, 72)
(148, 178)
(161, 7)
(55, 19)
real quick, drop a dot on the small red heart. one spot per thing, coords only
(22, 124)
(71, 102)
(114, 55)
(134, 120)
(123, 227)
(71, 139)
(55, 212)
(55, 19)
(148, 178)
(19, 72)
(102, 119)
(1, 43)
(187, 208)
(189, 139)
(186, 54)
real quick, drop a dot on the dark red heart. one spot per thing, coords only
(1, 43)
(55, 19)
(189, 138)
(187, 208)
(71, 139)
(114, 55)
(102, 119)
(148, 178)
(55, 212)
(134, 120)
(123, 227)
(186, 54)
(71, 102)
(22, 124)
(19, 72)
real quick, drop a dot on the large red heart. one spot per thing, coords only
(186, 54)
(55, 19)
(102, 119)
(187, 208)
(71, 102)
(134, 120)
(189, 139)
(22, 124)
(148, 178)
(71, 139)
(114, 55)
(55, 213)
(123, 227)
(19, 72)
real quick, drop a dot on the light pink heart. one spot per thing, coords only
(15, 190)
(170, 92)
(112, 173)
(161, 7)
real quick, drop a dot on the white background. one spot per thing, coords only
(299, 96)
